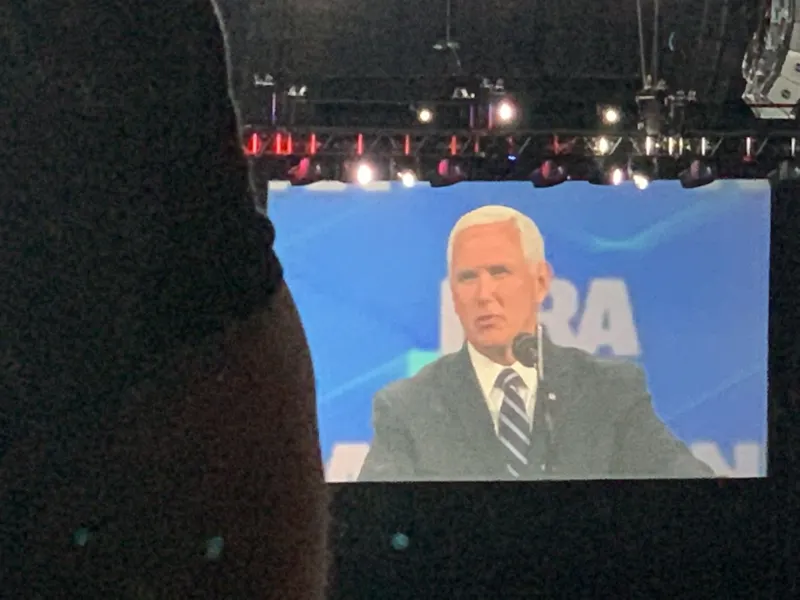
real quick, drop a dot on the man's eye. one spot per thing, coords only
(466, 276)
(498, 270)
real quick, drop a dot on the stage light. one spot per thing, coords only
(462, 93)
(611, 115)
(787, 170)
(449, 171)
(602, 146)
(698, 174)
(549, 174)
(365, 173)
(608, 173)
(640, 171)
(640, 180)
(408, 178)
(305, 172)
(297, 91)
(506, 112)
(616, 176)
(650, 145)
(254, 145)
(425, 115)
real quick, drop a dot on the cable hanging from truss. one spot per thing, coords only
(649, 80)
(449, 45)
(655, 51)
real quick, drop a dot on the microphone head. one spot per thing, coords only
(525, 349)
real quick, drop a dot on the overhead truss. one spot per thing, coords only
(435, 144)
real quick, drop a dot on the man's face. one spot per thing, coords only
(496, 292)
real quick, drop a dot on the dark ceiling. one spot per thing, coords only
(701, 42)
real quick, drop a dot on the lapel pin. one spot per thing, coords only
(551, 396)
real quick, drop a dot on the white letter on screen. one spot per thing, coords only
(747, 459)
(562, 307)
(608, 319)
(345, 462)
(451, 334)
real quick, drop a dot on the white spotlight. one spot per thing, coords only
(640, 181)
(617, 176)
(407, 178)
(365, 174)
(603, 146)
(611, 115)
(506, 112)
(425, 115)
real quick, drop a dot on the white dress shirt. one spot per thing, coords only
(487, 371)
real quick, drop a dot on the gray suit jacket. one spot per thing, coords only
(436, 426)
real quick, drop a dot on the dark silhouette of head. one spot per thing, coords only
(119, 166)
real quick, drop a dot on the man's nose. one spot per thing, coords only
(486, 286)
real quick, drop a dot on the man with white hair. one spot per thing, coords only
(480, 414)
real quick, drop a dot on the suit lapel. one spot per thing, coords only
(465, 400)
(561, 389)
(564, 393)
(555, 388)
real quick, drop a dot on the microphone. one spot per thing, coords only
(525, 349)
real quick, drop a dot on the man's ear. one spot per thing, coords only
(542, 272)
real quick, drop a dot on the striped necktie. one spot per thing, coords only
(514, 426)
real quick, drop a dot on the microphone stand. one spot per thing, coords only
(528, 350)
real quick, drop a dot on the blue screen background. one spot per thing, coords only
(365, 268)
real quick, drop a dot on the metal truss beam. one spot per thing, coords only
(747, 145)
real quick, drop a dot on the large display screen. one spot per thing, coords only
(494, 331)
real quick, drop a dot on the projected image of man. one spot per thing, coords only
(481, 414)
